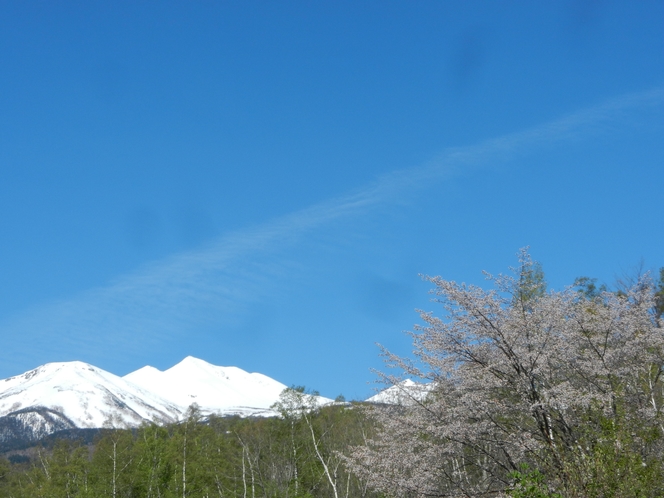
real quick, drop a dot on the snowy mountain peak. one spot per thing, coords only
(56, 368)
(88, 397)
(195, 366)
(405, 392)
(191, 366)
(193, 362)
(146, 370)
(222, 390)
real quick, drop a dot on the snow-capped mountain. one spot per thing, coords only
(405, 392)
(220, 390)
(68, 395)
(86, 395)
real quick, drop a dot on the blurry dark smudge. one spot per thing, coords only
(142, 228)
(583, 13)
(383, 299)
(581, 18)
(468, 56)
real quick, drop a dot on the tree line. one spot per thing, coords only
(295, 455)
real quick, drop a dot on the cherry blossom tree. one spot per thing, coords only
(564, 383)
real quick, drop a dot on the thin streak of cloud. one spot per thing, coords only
(216, 284)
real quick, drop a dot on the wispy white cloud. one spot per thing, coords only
(216, 283)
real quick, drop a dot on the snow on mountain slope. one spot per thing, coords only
(405, 392)
(86, 395)
(220, 390)
(31, 424)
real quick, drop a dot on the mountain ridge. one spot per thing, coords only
(76, 395)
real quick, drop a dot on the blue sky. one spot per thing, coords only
(260, 184)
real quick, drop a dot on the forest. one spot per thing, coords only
(297, 454)
(529, 393)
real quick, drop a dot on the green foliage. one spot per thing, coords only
(531, 283)
(529, 484)
(587, 287)
(614, 458)
(659, 295)
(68, 472)
(153, 467)
(4, 471)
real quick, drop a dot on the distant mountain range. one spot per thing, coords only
(75, 395)
(77, 398)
